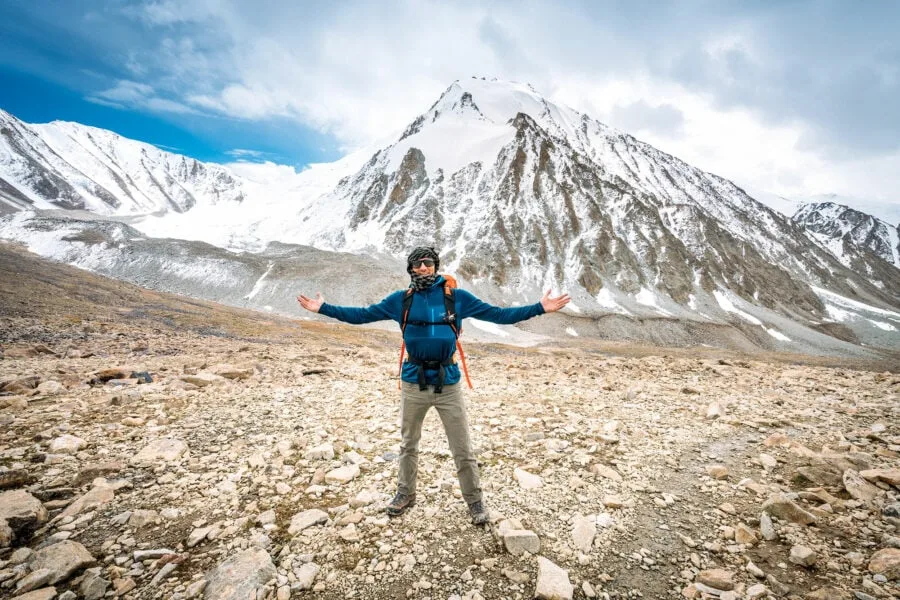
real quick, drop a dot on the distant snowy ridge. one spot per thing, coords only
(836, 226)
(73, 166)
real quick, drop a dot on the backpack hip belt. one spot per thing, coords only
(431, 364)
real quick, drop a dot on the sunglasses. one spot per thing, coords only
(418, 263)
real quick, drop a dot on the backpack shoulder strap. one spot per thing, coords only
(404, 318)
(404, 312)
(450, 307)
(454, 321)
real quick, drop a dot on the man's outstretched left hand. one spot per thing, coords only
(554, 304)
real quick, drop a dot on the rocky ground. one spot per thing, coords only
(157, 447)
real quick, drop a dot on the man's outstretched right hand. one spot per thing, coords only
(311, 304)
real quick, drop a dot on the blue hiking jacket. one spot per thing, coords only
(430, 342)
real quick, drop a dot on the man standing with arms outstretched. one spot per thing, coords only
(430, 376)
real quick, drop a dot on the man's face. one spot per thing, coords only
(424, 266)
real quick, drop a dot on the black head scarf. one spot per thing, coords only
(421, 282)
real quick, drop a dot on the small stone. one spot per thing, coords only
(715, 411)
(786, 509)
(768, 461)
(36, 579)
(767, 528)
(613, 502)
(306, 576)
(141, 518)
(98, 496)
(241, 576)
(889, 476)
(195, 589)
(803, 556)
(67, 444)
(305, 519)
(349, 533)
(859, 488)
(342, 475)
(161, 450)
(552, 582)
(21, 511)
(123, 585)
(886, 562)
(583, 532)
(197, 536)
(744, 535)
(755, 571)
(202, 380)
(718, 579)
(605, 472)
(321, 452)
(364, 498)
(527, 481)
(62, 558)
(519, 541)
(93, 586)
(516, 576)
(717, 471)
(47, 593)
(824, 593)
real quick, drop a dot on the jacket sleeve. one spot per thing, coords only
(471, 306)
(387, 309)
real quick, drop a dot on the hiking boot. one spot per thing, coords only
(479, 513)
(399, 504)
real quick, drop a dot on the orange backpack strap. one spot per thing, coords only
(453, 321)
(462, 359)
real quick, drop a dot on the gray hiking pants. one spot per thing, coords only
(451, 408)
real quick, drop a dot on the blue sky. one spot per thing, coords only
(792, 97)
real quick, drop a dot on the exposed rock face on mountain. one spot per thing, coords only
(525, 194)
(68, 165)
(861, 242)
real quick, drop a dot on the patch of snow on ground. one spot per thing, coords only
(852, 304)
(606, 300)
(648, 298)
(728, 306)
(777, 335)
(837, 314)
(571, 332)
(259, 283)
(488, 327)
(882, 325)
(573, 307)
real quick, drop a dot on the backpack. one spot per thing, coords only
(452, 320)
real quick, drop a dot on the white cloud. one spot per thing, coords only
(131, 94)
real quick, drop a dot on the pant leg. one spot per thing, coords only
(414, 404)
(451, 408)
